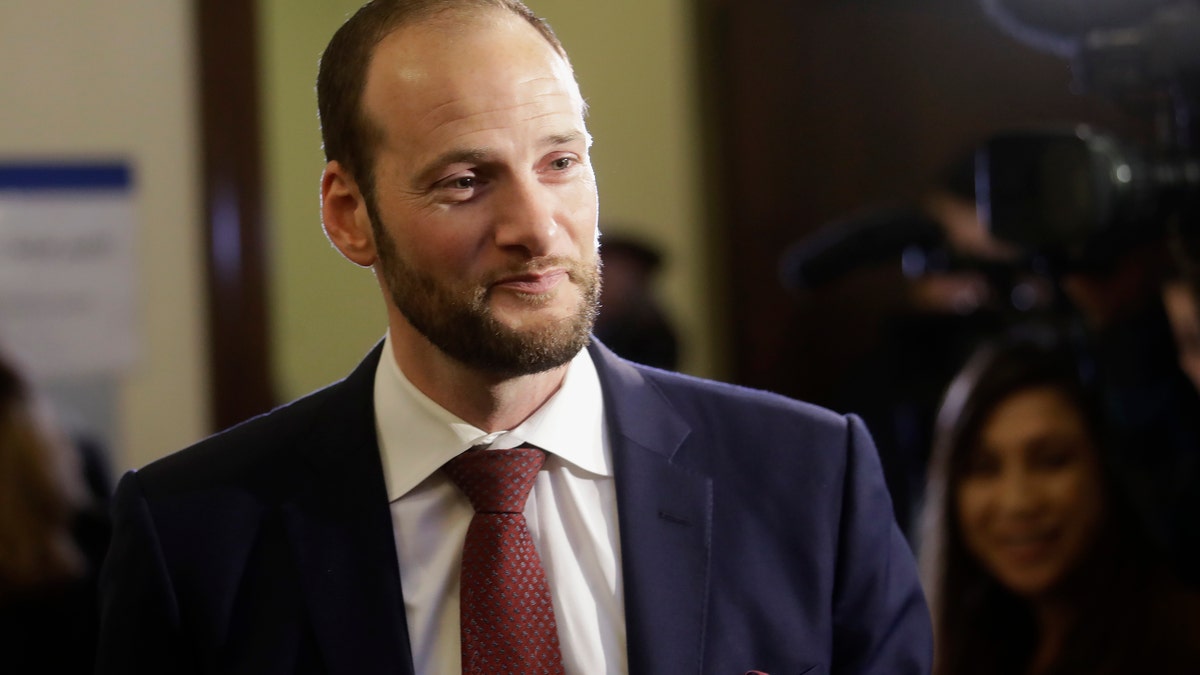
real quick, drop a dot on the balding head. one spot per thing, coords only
(349, 137)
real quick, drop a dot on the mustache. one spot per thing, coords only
(577, 270)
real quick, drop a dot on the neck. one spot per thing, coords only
(1055, 619)
(484, 400)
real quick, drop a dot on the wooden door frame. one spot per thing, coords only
(239, 347)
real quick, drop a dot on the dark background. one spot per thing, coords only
(822, 109)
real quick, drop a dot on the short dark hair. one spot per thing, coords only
(346, 134)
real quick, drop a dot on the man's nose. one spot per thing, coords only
(525, 217)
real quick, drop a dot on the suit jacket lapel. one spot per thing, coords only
(665, 517)
(341, 531)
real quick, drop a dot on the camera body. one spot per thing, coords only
(1079, 196)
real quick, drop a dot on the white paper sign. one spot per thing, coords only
(67, 268)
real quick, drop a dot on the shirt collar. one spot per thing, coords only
(417, 436)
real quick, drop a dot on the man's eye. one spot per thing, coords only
(459, 188)
(562, 163)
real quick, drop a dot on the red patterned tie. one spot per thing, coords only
(507, 620)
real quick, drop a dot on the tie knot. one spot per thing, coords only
(496, 481)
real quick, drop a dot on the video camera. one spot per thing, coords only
(1071, 199)
(1081, 197)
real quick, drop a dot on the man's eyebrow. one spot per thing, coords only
(566, 138)
(569, 137)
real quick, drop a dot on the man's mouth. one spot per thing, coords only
(533, 283)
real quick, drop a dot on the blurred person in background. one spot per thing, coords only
(959, 286)
(1032, 555)
(1129, 315)
(631, 321)
(52, 539)
(1181, 300)
(1181, 303)
(1130, 305)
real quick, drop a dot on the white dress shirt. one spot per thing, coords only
(572, 516)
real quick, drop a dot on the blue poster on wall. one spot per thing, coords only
(68, 269)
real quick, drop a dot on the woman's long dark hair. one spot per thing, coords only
(980, 626)
(36, 500)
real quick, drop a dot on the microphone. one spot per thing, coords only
(843, 246)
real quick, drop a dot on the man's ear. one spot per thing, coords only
(344, 215)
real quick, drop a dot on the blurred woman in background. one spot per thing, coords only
(1033, 557)
(51, 543)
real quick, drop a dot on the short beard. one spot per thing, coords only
(459, 322)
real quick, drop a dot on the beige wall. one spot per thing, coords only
(325, 311)
(634, 62)
(113, 79)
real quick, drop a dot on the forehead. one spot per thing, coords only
(456, 65)
(1033, 412)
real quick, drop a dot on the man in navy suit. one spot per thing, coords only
(684, 526)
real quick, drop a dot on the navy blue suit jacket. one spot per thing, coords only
(756, 534)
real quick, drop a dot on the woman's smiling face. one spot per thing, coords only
(1029, 498)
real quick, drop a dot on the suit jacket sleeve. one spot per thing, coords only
(881, 623)
(139, 614)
